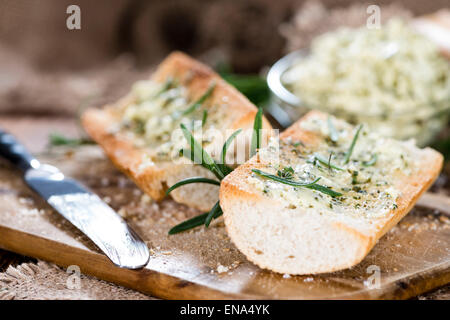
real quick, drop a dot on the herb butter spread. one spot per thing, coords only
(391, 78)
(154, 117)
(357, 165)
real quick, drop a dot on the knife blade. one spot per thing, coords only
(85, 210)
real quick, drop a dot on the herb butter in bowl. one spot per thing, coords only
(391, 78)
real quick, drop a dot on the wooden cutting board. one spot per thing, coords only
(203, 264)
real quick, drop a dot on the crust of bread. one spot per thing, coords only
(234, 192)
(155, 179)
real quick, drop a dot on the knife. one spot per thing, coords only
(85, 210)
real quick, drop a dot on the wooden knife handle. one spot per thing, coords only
(15, 152)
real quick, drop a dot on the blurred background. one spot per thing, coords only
(48, 73)
(46, 69)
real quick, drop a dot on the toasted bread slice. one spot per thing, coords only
(126, 130)
(298, 230)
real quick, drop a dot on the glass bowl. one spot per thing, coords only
(422, 125)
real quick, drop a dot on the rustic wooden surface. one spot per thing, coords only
(414, 258)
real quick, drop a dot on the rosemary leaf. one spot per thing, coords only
(193, 222)
(192, 180)
(257, 132)
(56, 139)
(216, 210)
(348, 154)
(309, 185)
(166, 86)
(227, 143)
(199, 101)
(200, 155)
(325, 162)
(205, 116)
(371, 162)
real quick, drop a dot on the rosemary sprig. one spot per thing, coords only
(348, 154)
(223, 156)
(370, 162)
(309, 185)
(199, 101)
(215, 211)
(257, 132)
(193, 222)
(205, 117)
(198, 155)
(326, 162)
(192, 180)
(334, 135)
(170, 82)
(56, 139)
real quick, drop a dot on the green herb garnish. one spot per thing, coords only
(56, 139)
(371, 162)
(310, 185)
(205, 116)
(170, 82)
(199, 156)
(348, 154)
(223, 156)
(194, 106)
(286, 172)
(326, 162)
(215, 211)
(257, 133)
(192, 180)
(253, 86)
(193, 222)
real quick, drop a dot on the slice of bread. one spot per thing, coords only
(127, 147)
(297, 230)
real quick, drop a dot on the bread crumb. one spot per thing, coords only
(222, 269)
(145, 199)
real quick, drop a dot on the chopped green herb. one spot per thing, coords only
(310, 185)
(199, 101)
(205, 116)
(325, 162)
(57, 139)
(371, 162)
(348, 154)
(167, 85)
(286, 172)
